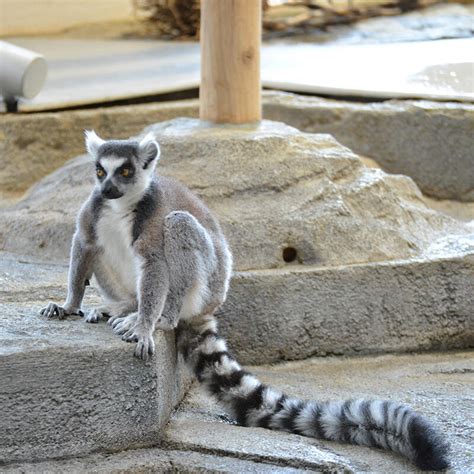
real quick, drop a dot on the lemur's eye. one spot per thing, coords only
(125, 172)
(100, 172)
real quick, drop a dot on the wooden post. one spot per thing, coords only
(230, 61)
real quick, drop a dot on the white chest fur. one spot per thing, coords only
(117, 261)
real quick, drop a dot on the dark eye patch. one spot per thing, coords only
(100, 171)
(126, 167)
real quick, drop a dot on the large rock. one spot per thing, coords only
(298, 312)
(69, 388)
(281, 196)
(199, 437)
(431, 142)
(34, 145)
(373, 268)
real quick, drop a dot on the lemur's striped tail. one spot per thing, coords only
(375, 423)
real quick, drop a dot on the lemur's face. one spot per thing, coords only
(123, 167)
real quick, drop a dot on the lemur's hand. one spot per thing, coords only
(138, 333)
(145, 347)
(53, 310)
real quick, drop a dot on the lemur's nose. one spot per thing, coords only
(109, 191)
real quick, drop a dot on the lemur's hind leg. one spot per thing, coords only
(191, 259)
(173, 286)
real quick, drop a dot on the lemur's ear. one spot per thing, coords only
(149, 151)
(93, 142)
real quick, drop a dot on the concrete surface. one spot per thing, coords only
(435, 70)
(151, 460)
(431, 142)
(69, 388)
(291, 313)
(200, 438)
(441, 386)
(304, 191)
(85, 71)
(297, 312)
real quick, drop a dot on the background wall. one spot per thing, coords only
(25, 17)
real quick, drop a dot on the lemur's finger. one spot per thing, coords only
(137, 352)
(121, 329)
(93, 316)
(50, 310)
(117, 322)
(151, 347)
(130, 336)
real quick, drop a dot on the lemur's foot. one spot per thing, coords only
(121, 325)
(94, 316)
(119, 310)
(53, 310)
(145, 347)
(137, 333)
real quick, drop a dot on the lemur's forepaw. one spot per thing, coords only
(133, 332)
(93, 316)
(53, 310)
(145, 348)
(119, 310)
(121, 325)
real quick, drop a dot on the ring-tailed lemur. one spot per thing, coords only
(160, 257)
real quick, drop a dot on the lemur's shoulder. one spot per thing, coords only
(166, 195)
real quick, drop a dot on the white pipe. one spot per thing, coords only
(22, 72)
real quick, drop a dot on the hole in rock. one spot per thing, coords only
(289, 254)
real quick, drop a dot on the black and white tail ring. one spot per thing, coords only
(375, 423)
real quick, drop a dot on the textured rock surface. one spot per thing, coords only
(441, 386)
(32, 146)
(193, 432)
(152, 460)
(275, 188)
(69, 388)
(299, 312)
(290, 313)
(271, 187)
(375, 270)
(431, 142)
(200, 438)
